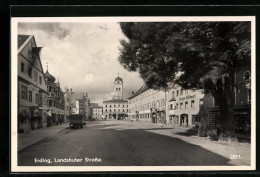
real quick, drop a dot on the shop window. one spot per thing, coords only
(22, 67)
(30, 95)
(24, 92)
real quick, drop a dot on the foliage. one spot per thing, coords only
(189, 54)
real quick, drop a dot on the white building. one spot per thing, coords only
(184, 106)
(117, 107)
(148, 104)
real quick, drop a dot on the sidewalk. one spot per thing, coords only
(29, 138)
(189, 135)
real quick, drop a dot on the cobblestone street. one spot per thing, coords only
(125, 143)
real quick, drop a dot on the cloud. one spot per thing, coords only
(83, 56)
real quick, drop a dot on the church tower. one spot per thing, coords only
(118, 88)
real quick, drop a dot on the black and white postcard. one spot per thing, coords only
(99, 94)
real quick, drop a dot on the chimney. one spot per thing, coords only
(133, 92)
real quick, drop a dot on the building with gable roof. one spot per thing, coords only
(32, 86)
(55, 100)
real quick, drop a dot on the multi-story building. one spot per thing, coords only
(117, 107)
(80, 103)
(184, 106)
(242, 100)
(97, 111)
(148, 104)
(55, 100)
(32, 87)
(68, 105)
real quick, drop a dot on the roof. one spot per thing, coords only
(95, 105)
(22, 39)
(116, 100)
(118, 79)
(138, 92)
(50, 77)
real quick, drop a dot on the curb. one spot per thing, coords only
(41, 140)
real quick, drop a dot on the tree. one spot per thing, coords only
(192, 55)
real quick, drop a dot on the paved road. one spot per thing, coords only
(116, 143)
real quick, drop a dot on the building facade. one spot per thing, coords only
(97, 111)
(80, 104)
(242, 100)
(148, 104)
(55, 100)
(184, 106)
(117, 107)
(32, 87)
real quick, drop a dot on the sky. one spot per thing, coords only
(83, 56)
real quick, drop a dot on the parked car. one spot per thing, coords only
(76, 121)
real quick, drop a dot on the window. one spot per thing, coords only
(23, 92)
(36, 98)
(40, 99)
(109, 110)
(173, 94)
(176, 106)
(246, 76)
(110, 107)
(201, 102)
(186, 104)
(192, 103)
(30, 95)
(186, 91)
(35, 76)
(171, 106)
(123, 106)
(114, 110)
(181, 105)
(119, 105)
(30, 72)
(118, 110)
(123, 110)
(118, 89)
(249, 96)
(22, 67)
(114, 106)
(106, 106)
(177, 94)
(40, 80)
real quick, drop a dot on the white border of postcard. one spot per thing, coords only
(14, 133)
